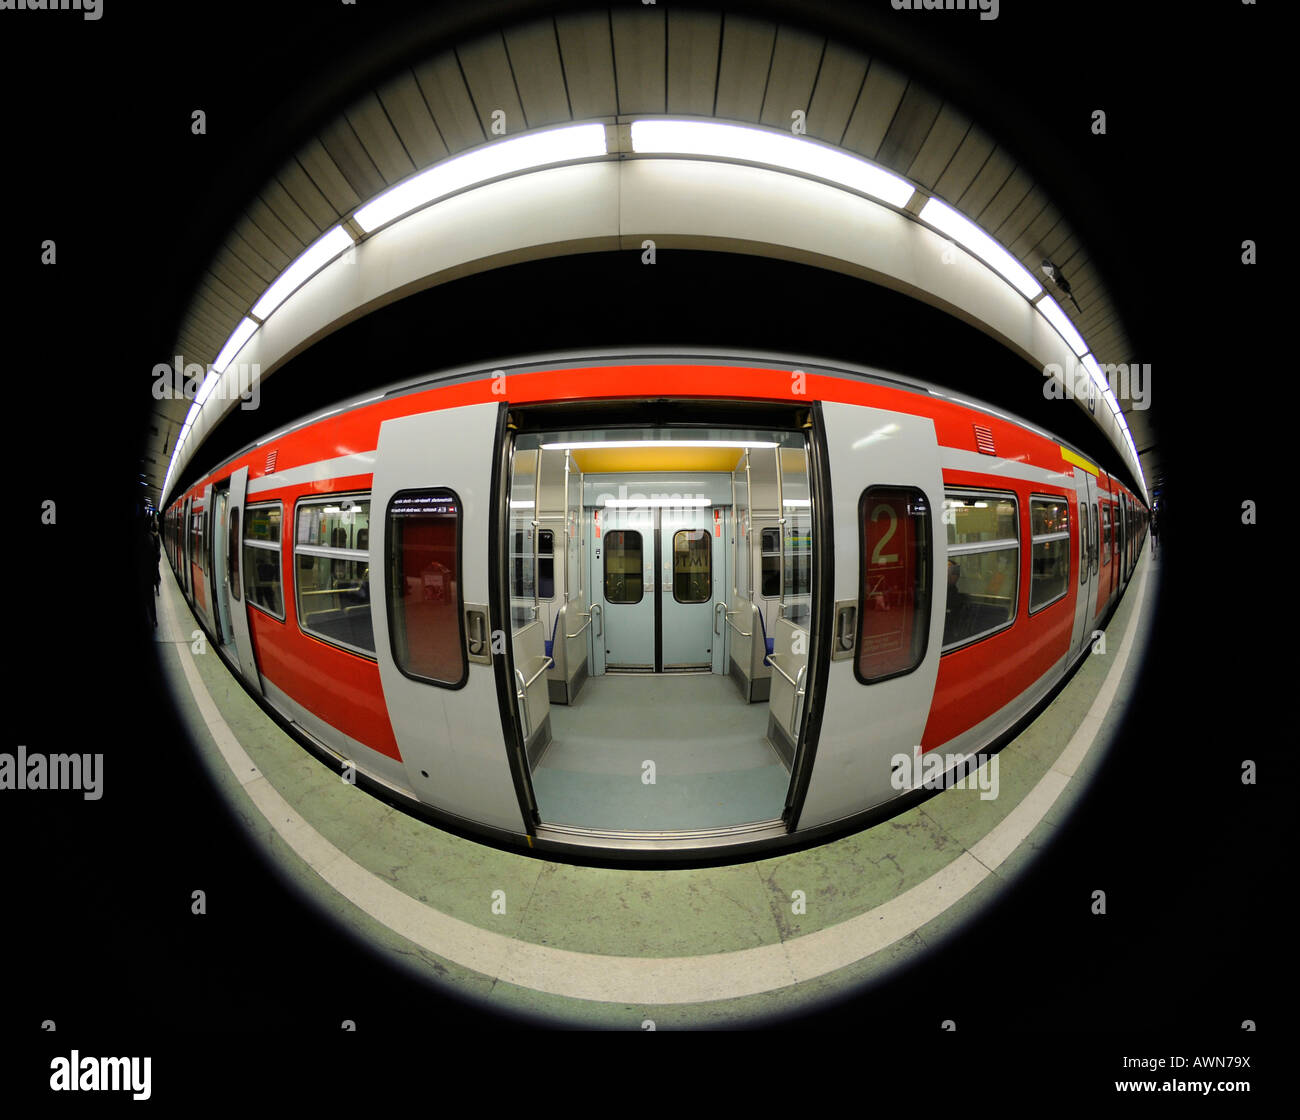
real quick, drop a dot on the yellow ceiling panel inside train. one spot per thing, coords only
(624, 460)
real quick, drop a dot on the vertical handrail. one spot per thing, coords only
(522, 695)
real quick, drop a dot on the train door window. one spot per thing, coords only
(262, 583)
(232, 554)
(983, 569)
(1105, 533)
(546, 564)
(425, 613)
(332, 575)
(770, 547)
(692, 566)
(1083, 542)
(1049, 531)
(897, 572)
(623, 566)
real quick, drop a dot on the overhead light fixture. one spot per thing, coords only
(1051, 311)
(505, 157)
(608, 443)
(777, 149)
(312, 259)
(641, 503)
(235, 343)
(798, 503)
(969, 236)
(209, 383)
(1094, 371)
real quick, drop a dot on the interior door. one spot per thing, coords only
(624, 586)
(686, 587)
(889, 541)
(431, 497)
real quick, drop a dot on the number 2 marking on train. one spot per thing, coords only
(878, 557)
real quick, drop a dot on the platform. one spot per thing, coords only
(611, 948)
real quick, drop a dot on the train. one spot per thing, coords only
(657, 606)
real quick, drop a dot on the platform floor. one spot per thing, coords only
(611, 947)
(713, 766)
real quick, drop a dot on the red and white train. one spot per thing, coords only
(654, 606)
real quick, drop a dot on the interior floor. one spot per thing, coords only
(713, 764)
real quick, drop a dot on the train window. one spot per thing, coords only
(692, 566)
(1049, 530)
(1105, 533)
(425, 616)
(232, 554)
(623, 566)
(522, 566)
(983, 570)
(1083, 542)
(332, 545)
(896, 576)
(262, 583)
(770, 546)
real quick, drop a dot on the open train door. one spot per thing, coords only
(235, 578)
(886, 494)
(430, 581)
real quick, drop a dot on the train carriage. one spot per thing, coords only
(663, 606)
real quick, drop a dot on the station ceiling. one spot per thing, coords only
(607, 63)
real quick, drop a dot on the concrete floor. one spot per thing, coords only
(604, 947)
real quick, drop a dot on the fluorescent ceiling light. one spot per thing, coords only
(235, 343)
(1052, 312)
(315, 257)
(641, 503)
(654, 443)
(799, 502)
(968, 235)
(209, 383)
(1110, 400)
(756, 145)
(521, 505)
(506, 157)
(1090, 364)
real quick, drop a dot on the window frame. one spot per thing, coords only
(328, 552)
(1107, 533)
(1000, 545)
(265, 546)
(862, 584)
(389, 537)
(1044, 538)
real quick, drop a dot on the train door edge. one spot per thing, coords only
(238, 599)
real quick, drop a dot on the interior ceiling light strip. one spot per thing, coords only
(641, 503)
(756, 145)
(601, 444)
(969, 236)
(506, 157)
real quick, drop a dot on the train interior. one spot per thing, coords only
(660, 589)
